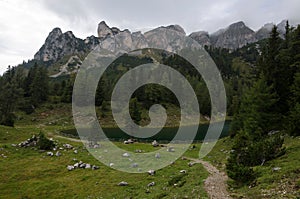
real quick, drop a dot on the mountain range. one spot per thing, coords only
(59, 45)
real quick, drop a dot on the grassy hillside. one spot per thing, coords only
(30, 173)
(284, 183)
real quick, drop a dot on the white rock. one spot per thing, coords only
(182, 171)
(58, 154)
(151, 172)
(151, 184)
(155, 143)
(49, 153)
(126, 155)
(88, 166)
(123, 183)
(70, 167)
(157, 155)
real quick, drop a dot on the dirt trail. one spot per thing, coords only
(215, 185)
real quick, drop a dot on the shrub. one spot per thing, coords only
(44, 143)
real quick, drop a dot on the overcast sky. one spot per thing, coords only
(25, 24)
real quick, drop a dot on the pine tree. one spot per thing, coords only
(10, 95)
(39, 87)
(254, 143)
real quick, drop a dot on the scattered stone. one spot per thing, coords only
(96, 146)
(191, 164)
(151, 184)
(29, 142)
(183, 158)
(68, 146)
(76, 165)
(49, 153)
(134, 165)
(129, 141)
(82, 165)
(276, 169)
(111, 164)
(123, 183)
(88, 166)
(170, 149)
(193, 147)
(94, 167)
(138, 151)
(70, 167)
(155, 143)
(157, 155)
(126, 155)
(13, 145)
(75, 151)
(151, 172)
(182, 171)
(58, 154)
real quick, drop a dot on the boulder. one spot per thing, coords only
(151, 172)
(70, 167)
(126, 155)
(49, 153)
(170, 149)
(182, 171)
(151, 184)
(157, 155)
(123, 183)
(88, 166)
(134, 165)
(155, 143)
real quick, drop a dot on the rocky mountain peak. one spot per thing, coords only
(234, 36)
(264, 31)
(237, 25)
(104, 30)
(176, 28)
(54, 34)
(202, 37)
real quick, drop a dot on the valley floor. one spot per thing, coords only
(30, 173)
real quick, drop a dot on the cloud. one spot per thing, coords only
(24, 25)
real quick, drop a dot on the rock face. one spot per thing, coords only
(235, 36)
(202, 37)
(104, 30)
(59, 45)
(176, 28)
(264, 32)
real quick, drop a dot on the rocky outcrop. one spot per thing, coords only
(264, 32)
(104, 30)
(176, 28)
(235, 36)
(202, 37)
(58, 45)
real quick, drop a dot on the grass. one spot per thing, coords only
(29, 173)
(284, 183)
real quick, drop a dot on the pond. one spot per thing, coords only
(166, 134)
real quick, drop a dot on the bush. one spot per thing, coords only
(8, 120)
(239, 172)
(44, 143)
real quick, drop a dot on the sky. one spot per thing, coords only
(25, 24)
